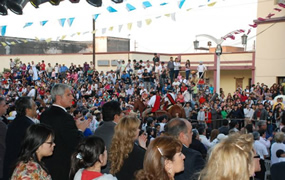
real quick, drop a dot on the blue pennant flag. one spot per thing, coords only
(70, 21)
(163, 4)
(95, 16)
(28, 24)
(181, 3)
(111, 9)
(62, 21)
(43, 23)
(146, 4)
(3, 30)
(130, 7)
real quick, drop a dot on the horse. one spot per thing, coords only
(176, 111)
(139, 105)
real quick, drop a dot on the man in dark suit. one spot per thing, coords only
(277, 169)
(68, 133)
(194, 162)
(26, 110)
(112, 113)
(3, 131)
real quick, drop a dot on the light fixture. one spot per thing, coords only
(3, 7)
(17, 6)
(219, 50)
(96, 3)
(244, 41)
(196, 44)
(36, 3)
(117, 1)
(74, 1)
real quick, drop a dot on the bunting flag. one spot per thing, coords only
(281, 5)
(3, 44)
(248, 32)
(173, 16)
(212, 4)
(104, 30)
(120, 27)
(189, 9)
(63, 37)
(163, 4)
(111, 28)
(62, 21)
(277, 9)
(139, 24)
(130, 7)
(78, 33)
(167, 15)
(8, 43)
(3, 30)
(13, 43)
(25, 41)
(28, 24)
(48, 40)
(146, 4)
(72, 34)
(181, 3)
(261, 19)
(95, 16)
(157, 17)
(148, 21)
(42, 23)
(70, 21)
(93, 32)
(201, 5)
(86, 32)
(18, 41)
(130, 26)
(111, 9)
(253, 25)
(37, 39)
(270, 15)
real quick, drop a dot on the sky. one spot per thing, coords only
(163, 35)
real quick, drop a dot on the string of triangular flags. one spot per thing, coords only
(275, 10)
(129, 7)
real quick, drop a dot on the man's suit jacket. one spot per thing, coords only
(3, 131)
(67, 138)
(193, 163)
(106, 132)
(277, 171)
(15, 134)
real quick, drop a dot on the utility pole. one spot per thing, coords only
(94, 43)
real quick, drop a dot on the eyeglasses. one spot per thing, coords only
(256, 157)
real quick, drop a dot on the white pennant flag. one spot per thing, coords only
(139, 23)
(120, 27)
(104, 30)
(173, 16)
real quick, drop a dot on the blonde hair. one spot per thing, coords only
(279, 137)
(123, 142)
(231, 159)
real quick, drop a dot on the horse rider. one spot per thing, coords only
(153, 104)
(169, 99)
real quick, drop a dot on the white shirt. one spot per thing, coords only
(275, 147)
(248, 113)
(205, 141)
(176, 65)
(265, 142)
(201, 68)
(32, 93)
(260, 149)
(152, 101)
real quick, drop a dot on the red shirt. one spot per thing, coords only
(88, 175)
(43, 67)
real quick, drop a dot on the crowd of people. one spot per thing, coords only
(78, 123)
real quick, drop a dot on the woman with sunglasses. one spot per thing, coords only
(38, 142)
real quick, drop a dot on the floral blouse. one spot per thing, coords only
(29, 171)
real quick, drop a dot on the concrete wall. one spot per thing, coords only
(270, 44)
